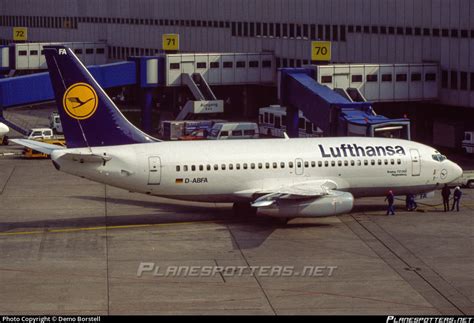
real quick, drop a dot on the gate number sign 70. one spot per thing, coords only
(321, 51)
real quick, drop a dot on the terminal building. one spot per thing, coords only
(436, 32)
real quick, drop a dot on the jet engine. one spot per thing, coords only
(327, 205)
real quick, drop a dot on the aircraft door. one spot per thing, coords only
(299, 168)
(154, 171)
(415, 162)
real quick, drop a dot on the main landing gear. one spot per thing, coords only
(244, 209)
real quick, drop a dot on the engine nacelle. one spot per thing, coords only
(328, 205)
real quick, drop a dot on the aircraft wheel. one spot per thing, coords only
(244, 209)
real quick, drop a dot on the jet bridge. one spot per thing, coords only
(337, 113)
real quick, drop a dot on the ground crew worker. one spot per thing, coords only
(390, 199)
(456, 198)
(446, 193)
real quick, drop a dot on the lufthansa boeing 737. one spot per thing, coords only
(287, 178)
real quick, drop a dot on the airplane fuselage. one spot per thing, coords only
(236, 170)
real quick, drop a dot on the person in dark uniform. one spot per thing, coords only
(390, 199)
(446, 193)
(456, 198)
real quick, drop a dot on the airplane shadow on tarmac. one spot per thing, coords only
(247, 231)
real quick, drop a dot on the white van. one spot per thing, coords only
(234, 130)
(41, 133)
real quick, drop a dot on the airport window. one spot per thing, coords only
(277, 122)
(214, 65)
(401, 78)
(417, 31)
(383, 30)
(326, 79)
(375, 30)
(463, 84)
(372, 78)
(335, 33)
(292, 30)
(233, 29)
(327, 32)
(223, 167)
(178, 168)
(259, 28)
(33, 52)
(391, 30)
(227, 64)
(399, 30)
(253, 64)
(320, 32)
(240, 64)
(252, 29)
(266, 64)
(305, 31)
(366, 29)
(224, 133)
(356, 78)
(343, 33)
(271, 31)
(454, 80)
(193, 168)
(444, 79)
(174, 66)
(89, 50)
(301, 123)
(454, 33)
(350, 29)
(426, 32)
(430, 77)
(409, 31)
(201, 65)
(277, 30)
(386, 77)
(100, 50)
(445, 32)
(435, 32)
(246, 29)
(264, 29)
(464, 33)
(298, 31)
(252, 166)
(292, 62)
(239, 29)
(415, 77)
(282, 165)
(78, 51)
(472, 81)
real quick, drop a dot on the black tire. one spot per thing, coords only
(243, 209)
(470, 184)
(5, 141)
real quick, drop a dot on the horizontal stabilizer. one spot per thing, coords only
(42, 147)
(86, 158)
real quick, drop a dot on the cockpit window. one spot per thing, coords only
(439, 157)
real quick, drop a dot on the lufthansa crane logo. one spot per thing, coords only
(80, 101)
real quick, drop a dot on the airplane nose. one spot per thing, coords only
(456, 171)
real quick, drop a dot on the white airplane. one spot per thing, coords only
(288, 178)
(3, 133)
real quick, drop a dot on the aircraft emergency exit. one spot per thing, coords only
(304, 177)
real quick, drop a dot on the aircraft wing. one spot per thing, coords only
(296, 191)
(43, 147)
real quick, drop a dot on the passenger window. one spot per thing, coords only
(245, 166)
(223, 166)
(267, 165)
(201, 167)
(275, 165)
(346, 163)
(237, 166)
(392, 161)
(282, 164)
(366, 162)
(380, 161)
(320, 163)
(352, 163)
(185, 168)
(224, 133)
(208, 167)
(306, 164)
(231, 166)
(290, 164)
(372, 162)
(193, 168)
(298, 164)
(339, 163)
(399, 161)
(386, 161)
(216, 167)
(177, 168)
(252, 165)
(326, 163)
(359, 163)
(333, 163)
